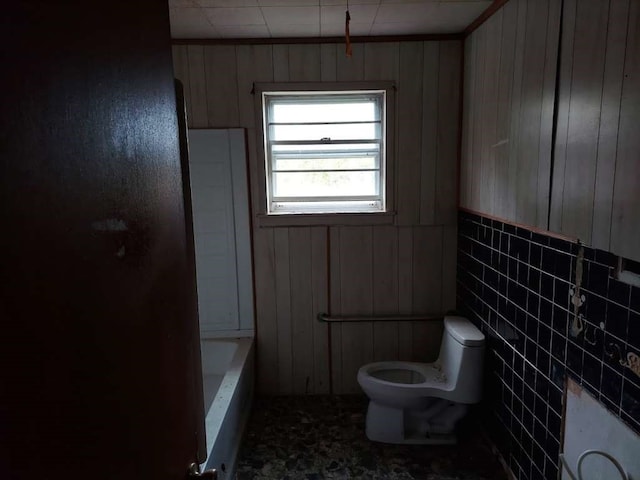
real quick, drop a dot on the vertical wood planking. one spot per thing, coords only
(467, 122)
(304, 63)
(280, 63)
(381, 61)
(609, 118)
(319, 291)
(328, 62)
(426, 338)
(516, 109)
(254, 64)
(408, 115)
(447, 164)
(253, 138)
(584, 117)
(546, 115)
(449, 264)
(266, 313)
(428, 53)
(477, 162)
(427, 270)
(302, 317)
(405, 290)
(385, 291)
(427, 290)
(562, 122)
(625, 228)
(197, 87)
(356, 272)
(493, 32)
(530, 112)
(505, 86)
(220, 72)
(283, 310)
(350, 68)
(335, 305)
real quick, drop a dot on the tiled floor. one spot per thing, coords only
(322, 437)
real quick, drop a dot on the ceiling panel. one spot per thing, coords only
(234, 16)
(244, 31)
(309, 18)
(336, 14)
(190, 23)
(291, 15)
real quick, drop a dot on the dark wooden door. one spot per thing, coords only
(99, 344)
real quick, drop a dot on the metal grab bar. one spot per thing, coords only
(323, 317)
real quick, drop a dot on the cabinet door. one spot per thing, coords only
(625, 226)
(596, 175)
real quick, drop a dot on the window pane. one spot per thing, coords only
(306, 109)
(308, 173)
(325, 148)
(331, 206)
(348, 131)
(325, 184)
(342, 162)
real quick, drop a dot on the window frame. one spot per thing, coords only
(336, 218)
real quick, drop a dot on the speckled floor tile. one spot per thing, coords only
(322, 437)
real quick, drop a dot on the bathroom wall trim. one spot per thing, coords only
(541, 231)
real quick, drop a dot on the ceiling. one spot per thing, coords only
(209, 19)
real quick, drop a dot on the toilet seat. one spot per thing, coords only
(375, 379)
(420, 375)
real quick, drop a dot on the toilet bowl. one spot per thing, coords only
(421, 403)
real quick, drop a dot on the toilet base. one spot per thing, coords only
(398, 426)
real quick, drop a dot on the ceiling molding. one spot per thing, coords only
(429, 37)
(484, 16)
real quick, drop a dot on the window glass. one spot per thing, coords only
(324, 151)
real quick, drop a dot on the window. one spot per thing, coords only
(325, 150)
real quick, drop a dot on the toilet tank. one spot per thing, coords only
(462, 359)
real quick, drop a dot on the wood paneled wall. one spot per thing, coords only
(587, 185)
(510, 75)
(596, 181)
(301, 271)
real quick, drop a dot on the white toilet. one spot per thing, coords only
(420, 403)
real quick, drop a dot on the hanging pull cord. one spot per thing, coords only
(346, 33)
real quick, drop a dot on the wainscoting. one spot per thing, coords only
(515, 285)
(407, 267)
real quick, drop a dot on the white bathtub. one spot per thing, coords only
(228, 378)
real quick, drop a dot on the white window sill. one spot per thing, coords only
(325, 219)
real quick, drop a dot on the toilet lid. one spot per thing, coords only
(465, 332)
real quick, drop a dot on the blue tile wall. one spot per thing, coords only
(515, 285)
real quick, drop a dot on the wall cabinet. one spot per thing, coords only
(510, 70)
(596, 176)
(586, 184)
